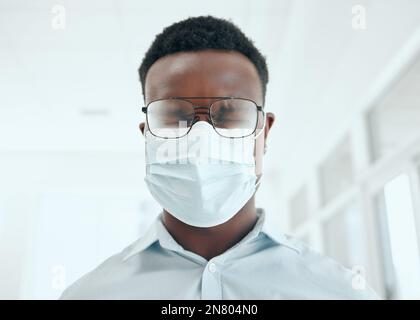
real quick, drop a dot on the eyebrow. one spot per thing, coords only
(215, 97)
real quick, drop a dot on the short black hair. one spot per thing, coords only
(201, 33)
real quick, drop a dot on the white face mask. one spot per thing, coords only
(202, 179)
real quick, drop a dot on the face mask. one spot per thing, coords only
(202, 179)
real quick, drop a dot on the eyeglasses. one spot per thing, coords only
(230, 117)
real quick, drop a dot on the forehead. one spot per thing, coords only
(205, 73)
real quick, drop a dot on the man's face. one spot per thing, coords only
(207, 73)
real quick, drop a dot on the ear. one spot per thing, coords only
(269, 120)
(141, 126)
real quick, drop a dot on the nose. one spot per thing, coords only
(202, 113)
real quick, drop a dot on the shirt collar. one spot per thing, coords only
(157, 232)
(276, 235)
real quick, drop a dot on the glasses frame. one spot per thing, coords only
(207, 107)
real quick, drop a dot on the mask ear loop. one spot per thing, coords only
(258, 182)
(263, 127)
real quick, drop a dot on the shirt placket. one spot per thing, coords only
(211, 285)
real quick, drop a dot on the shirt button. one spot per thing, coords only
(212, 267)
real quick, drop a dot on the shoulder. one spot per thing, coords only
(93, 284)
(325, 278)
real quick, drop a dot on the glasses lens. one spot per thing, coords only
(170, 118)
(234, 118)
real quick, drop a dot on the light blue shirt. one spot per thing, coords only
(263, 265)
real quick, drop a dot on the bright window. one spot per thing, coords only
(403, 243)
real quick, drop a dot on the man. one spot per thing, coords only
(203, 78)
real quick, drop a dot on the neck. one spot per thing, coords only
(212, 241)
